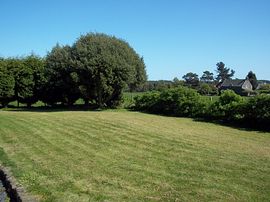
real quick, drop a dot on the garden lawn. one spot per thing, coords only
(131, 156)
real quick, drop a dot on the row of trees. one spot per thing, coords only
(205, 85)
(223, 72)
(192, 79)
(96, 68)
(208, 82)
(21, 79)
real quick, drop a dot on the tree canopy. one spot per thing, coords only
(96, 68)
(62, 82)
(223, 72)
(253, 80)
(7, 84)
(207, 77)
(191, 79)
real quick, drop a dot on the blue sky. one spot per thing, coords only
(173, 36)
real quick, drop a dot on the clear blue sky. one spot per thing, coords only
(173, 36)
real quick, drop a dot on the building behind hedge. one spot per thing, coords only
(239, 86)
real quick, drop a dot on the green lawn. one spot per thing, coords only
(131, 156)
(210, 98)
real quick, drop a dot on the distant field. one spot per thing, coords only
(210, 98)
(131, 156)
(128, 98)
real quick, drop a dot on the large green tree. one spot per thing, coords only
(140, 76)
(24, 79)
(27, 73)
(105, 66)
(35, 66)
(223, 72)
(7, 84)
(62, 77)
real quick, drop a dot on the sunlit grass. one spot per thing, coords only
(130, 156)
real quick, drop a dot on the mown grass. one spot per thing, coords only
(131, 156)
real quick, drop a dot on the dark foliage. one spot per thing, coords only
(223, 72)
(105, 66)
(61, 78)
(207, 89)
(191, 79)
(207, 77)
(253, 80)
(7, 84)
(257, 111)
(96, 68)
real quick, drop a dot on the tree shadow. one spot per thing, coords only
(56, 108)
(243, 126)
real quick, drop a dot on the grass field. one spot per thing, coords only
(131, 156)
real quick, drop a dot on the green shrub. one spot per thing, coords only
(257, 111)
(181, 101)
(147, 102)
(228, 107)
(264, 91)
(207, 89)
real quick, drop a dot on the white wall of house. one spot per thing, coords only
(247, 85)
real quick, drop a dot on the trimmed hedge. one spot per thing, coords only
(230, 107)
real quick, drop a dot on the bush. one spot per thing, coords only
(264, 91)
(257, 111)
(207, 89)
(228, 107)
(147, 102)
(181, 101)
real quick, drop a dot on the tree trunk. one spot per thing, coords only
(86, 102)
(100, 105)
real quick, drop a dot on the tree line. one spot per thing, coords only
(205, 85)
(96, 68)
(223, 73)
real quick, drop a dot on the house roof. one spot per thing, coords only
(234, 82)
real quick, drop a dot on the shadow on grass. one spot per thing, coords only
(243, 126)
(56, 108)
